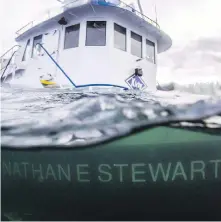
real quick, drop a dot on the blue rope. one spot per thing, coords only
(77, 86)
(81, 86)
(56, 64)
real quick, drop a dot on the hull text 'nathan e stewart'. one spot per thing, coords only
(163, 173)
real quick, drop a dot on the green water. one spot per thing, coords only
(165, 135)
(152, 175)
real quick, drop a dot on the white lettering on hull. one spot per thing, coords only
(179, 171)
(122, 173)
(197, 167)
(160, 170)
(64, 172)
(104, 173)
(217, 166)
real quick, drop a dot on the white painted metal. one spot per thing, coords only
(89, 64)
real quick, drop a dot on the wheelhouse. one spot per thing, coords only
(91, 44)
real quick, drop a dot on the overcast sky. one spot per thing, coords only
(194, 26)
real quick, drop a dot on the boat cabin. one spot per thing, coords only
(90, 44)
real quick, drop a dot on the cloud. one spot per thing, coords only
(15, 14)
(209, 44)
(197, 61)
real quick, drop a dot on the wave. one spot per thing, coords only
(202, 88)
(78, 118)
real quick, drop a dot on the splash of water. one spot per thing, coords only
(78, 118)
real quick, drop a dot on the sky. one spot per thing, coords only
(194, 26)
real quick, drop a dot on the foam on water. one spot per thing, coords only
(67, 118)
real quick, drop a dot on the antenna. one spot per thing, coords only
(63, 1)
(140, 8)
(156, 11)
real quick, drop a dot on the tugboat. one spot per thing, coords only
(161, 173)
(87, 43)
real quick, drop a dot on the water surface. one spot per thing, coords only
(68, 118)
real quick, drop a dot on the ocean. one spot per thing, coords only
(50, 117)
(109, 155)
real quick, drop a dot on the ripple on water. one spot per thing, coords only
(60, 117)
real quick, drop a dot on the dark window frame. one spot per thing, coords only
(8, 78)
(65, 36)
(119, 26)
(87, 43)
(24, 57)
(150, 43)
(131, 38)
(33, 45)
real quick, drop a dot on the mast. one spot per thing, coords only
(140, 7)
(156, 13)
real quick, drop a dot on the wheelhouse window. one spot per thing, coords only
(136, 44)
(150, 51)
(8, 78)
(36, 47)
(96, 33)
(19, 73)
(120, 37)
(27, 52)
(72, 36)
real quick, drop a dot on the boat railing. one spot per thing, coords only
(144, 17)
(6, 56)
(10, 51)
(25, 28)
(58, 10)
(45, 16)
(3, 70)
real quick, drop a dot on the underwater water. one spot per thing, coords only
(110, 155)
